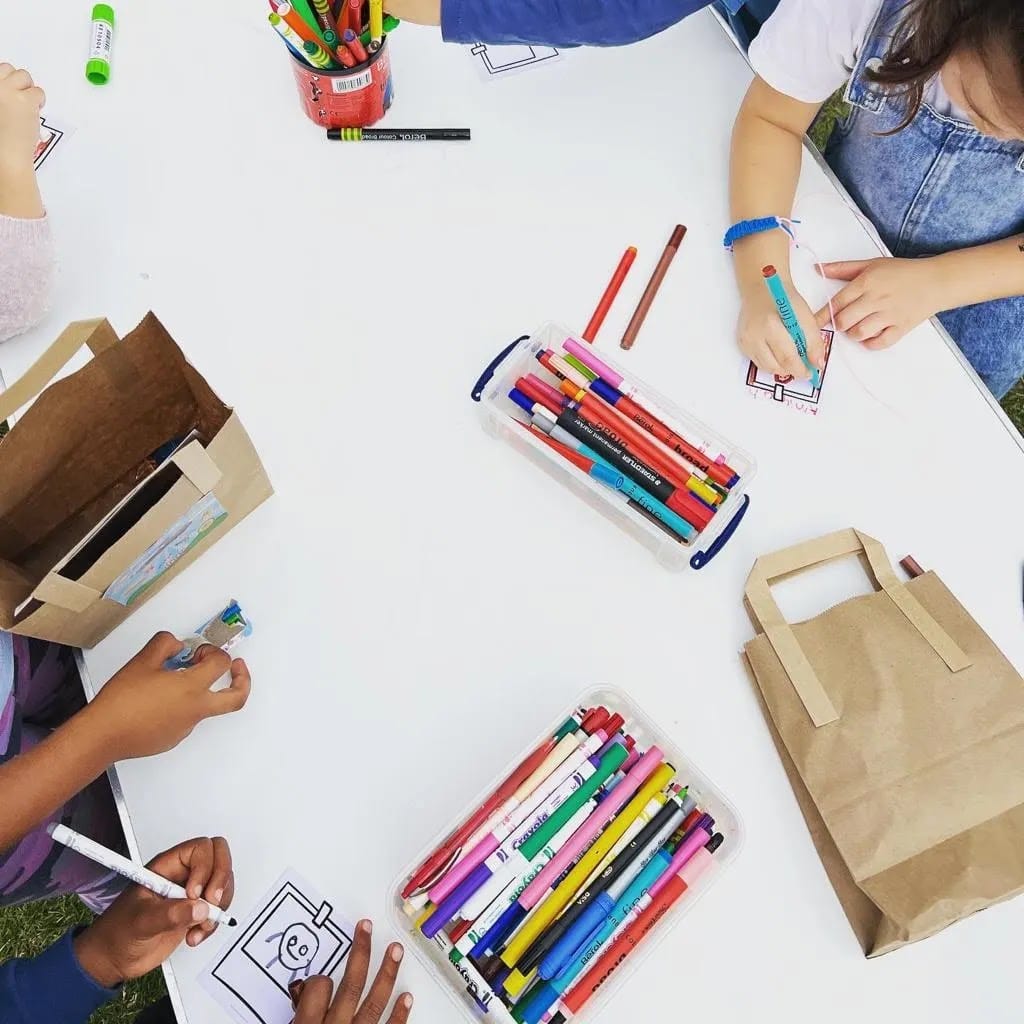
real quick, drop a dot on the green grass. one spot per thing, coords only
(28, 930)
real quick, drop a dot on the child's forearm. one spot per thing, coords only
(33, 785)
(767, 149)
(982, 273)
(19, 192)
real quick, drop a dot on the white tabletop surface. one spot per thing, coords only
(344, 299)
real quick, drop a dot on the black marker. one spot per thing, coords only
(399, 134)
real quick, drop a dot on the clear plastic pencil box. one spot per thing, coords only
(500, 414)
(709, 798)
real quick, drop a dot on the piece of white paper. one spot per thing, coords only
(797, 394)
(293, 934)
(501, 61)
(50, 136)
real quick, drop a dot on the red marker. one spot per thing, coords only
(345, 56)
(355, 15)
(439, 860)
(354, 43)
(610, 294)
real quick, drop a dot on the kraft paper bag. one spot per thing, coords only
(113, 481)
(901, 728)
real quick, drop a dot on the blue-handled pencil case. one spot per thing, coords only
(661, 474)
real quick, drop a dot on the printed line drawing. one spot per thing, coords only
(291, 936)
(49, 136)
(500, 60)
(797, 394)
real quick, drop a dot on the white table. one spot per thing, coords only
(387, 611)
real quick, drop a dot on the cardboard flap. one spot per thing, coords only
(196, 464)
(815, 552)
(97, 334)
(66, 594)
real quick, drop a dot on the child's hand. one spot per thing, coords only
(419, 12)
(312, 998)
(141, 930)
(20, 102)
(146, 709)
(767, 342)
(885, 299)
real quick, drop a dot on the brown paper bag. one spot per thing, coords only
(901, 728)
(82, 495)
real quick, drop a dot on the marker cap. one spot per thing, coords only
(103, 12)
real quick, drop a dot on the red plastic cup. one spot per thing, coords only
(346, 97)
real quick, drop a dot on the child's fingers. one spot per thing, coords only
(315, 1001)
(383, 986)
(844, 270)
(220, 887)
(196, 857)
(403, 1007)
(886, 339)
(209, 664)
(853, 314)
(353, 981)
(160, 916)
(20, 79)
(815, 344)
(234, 697)
(160, 648)
(6, 70)
(870, 327)
(786, 355)
(823, 317)
(37, 97)
(761, 355)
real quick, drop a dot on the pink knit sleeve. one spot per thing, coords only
(26, 273)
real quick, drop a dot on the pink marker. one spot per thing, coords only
(608, 807)
(586, 356)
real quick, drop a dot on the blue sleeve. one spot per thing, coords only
(50, 987)
(561, 22)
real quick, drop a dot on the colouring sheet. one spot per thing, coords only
(797, 394)
(290, 936)
(50, 136)
(499, 61)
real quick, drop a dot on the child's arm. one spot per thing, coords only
(26, 255)
(84, 970)
(142, 710)
(886, 298)
(767, 148)
(548, 22)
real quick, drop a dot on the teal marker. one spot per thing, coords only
(614, 479)
(789, 320)
(532, 1009)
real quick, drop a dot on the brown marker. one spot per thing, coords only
(651, 291)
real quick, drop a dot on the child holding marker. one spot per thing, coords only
(26, 249)
(931, 151)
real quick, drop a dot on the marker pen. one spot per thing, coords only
(129, 869)
(661, 896)
(790, 320)
(589, 427)
(480, 991)
(566, 756)
(586, 914)
(559, 815)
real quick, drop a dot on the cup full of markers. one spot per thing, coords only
(552, 886)
(340, 60)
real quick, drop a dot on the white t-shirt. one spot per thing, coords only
(808, 48)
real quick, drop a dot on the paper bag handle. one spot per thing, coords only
(781, 636)
(97, 334)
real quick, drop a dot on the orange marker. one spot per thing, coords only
(345, 56)
(297, 23)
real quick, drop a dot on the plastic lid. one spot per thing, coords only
(97, 71)
(103, 12)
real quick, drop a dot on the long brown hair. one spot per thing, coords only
(931, 31)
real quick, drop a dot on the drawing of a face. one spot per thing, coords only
(296, 949)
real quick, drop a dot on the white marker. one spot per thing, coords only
(129, 869)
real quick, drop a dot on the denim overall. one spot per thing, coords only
(935, 186)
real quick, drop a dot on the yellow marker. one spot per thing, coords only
(516, 982)
(652, 808)
(551, 907)
(376, 23)
(427, 911)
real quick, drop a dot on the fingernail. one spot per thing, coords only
(200, 911)
(366, 927)
(217, 896)
(397, 953)
(407, 1001)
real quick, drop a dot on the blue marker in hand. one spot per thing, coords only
(789, 319)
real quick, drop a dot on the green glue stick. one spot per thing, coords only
(101, 44)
